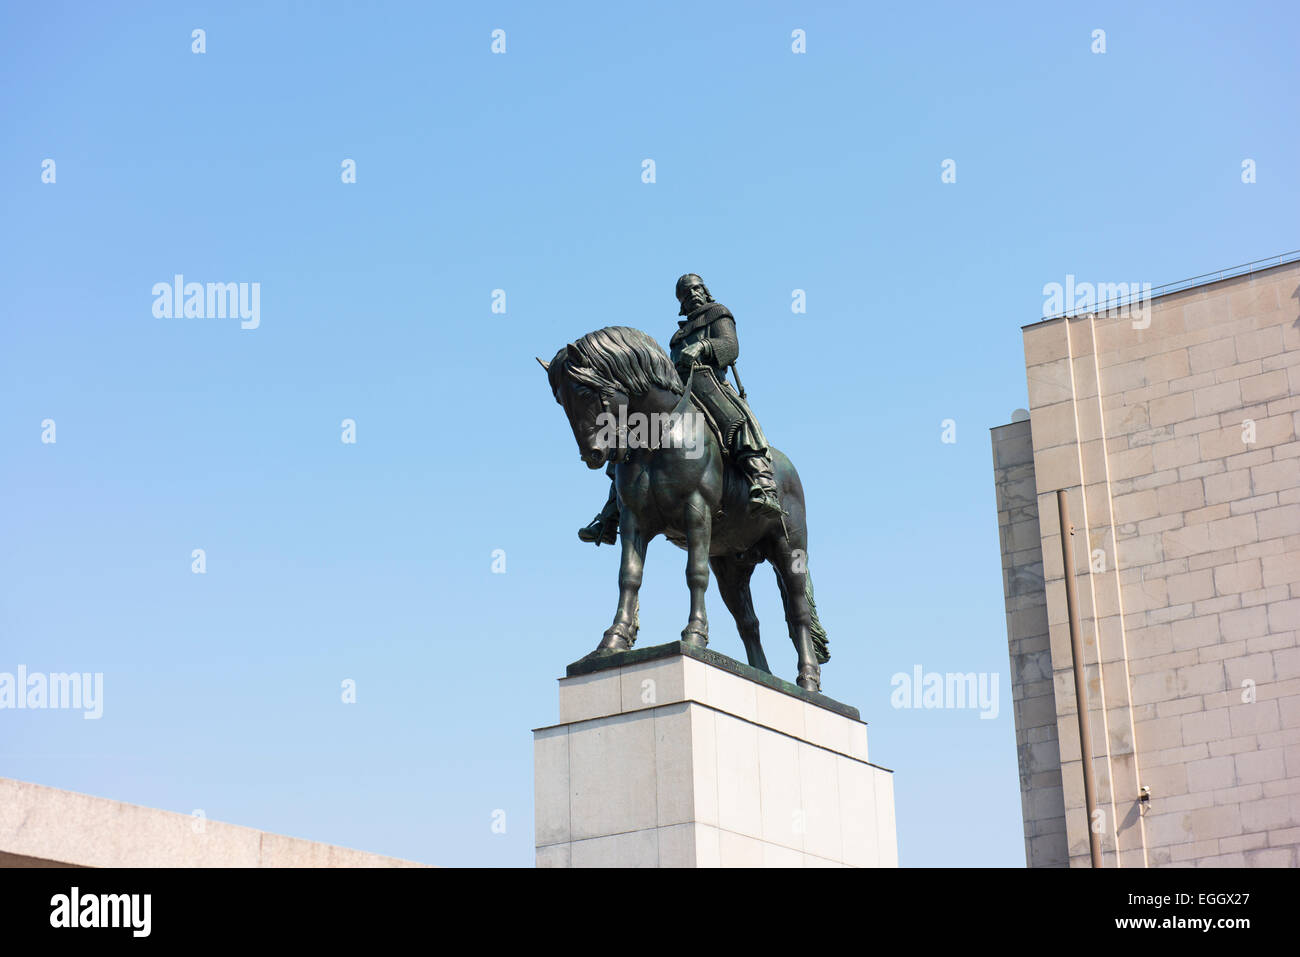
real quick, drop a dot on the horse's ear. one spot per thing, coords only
(574, 355)
(545, 365)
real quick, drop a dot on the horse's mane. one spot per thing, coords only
(616, 358)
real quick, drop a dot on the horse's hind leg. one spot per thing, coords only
(733, 576)
(791, 565)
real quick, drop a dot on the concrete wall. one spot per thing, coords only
(44, 827)
(1177, 445)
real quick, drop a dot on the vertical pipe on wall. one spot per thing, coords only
(1080, 687)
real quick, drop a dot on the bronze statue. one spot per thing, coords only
(691, 493)
(706, 339)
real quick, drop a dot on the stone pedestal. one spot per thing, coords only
(672, 756)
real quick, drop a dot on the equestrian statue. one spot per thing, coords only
(701, 474)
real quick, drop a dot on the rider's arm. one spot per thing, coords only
(722, 346)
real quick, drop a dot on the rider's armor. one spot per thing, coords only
(714, 328)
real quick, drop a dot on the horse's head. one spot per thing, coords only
(588, 405)
(593, 378)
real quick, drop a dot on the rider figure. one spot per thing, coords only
(706, 339)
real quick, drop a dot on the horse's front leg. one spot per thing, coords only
(621, 635)
(699, 534)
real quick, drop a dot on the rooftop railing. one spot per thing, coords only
(1179, 286)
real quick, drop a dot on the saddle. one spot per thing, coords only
(723, 433)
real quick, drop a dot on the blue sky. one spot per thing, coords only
(373, 561)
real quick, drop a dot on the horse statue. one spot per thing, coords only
(685, 491)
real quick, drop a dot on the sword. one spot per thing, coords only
(736, 375)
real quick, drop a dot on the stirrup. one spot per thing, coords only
(598, 531)
(766, 500)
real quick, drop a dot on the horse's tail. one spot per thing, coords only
(821, 643)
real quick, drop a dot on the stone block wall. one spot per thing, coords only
(1033, 696)
(1175, 436)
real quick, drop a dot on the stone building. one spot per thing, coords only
(50, 827)
(1172, 428)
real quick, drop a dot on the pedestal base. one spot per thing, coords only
(672, 756)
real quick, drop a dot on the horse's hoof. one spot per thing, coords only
(694, 635)
(615, 640)
(810, 680)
